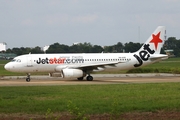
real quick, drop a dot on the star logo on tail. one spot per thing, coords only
(156, 40)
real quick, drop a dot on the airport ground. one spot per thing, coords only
(98, 79)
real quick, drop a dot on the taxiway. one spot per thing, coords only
(98, 79)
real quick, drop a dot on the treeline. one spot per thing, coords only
(78, 48)
(171, 43)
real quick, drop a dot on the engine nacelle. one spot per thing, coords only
(72, 73)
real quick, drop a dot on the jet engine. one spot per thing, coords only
(72, 73)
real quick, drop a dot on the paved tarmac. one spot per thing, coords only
(98, 79)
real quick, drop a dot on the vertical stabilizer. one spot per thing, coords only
(155, 41)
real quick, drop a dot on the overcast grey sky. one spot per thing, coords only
(31, 23)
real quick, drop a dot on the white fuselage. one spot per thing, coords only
(49, 62)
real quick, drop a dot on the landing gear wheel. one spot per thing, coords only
(28, 79)
(81, 78)
(89, 78)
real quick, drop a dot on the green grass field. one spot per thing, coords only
(92, 99)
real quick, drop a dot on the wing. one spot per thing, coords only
(96, 66)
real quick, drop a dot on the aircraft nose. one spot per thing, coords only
(7, 67)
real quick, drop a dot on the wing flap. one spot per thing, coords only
(95, 66)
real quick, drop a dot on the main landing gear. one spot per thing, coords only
(28, 79)
(88, 78)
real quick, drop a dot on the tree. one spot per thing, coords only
(132, 47)
(108, 49)
(9, 50)
(171, 43)
(97, 49)
(58, 48)
(118, 47)
(17, 51)
(37, 49)
(174, 44)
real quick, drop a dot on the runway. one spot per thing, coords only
(98, 79)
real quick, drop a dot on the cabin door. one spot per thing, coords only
(29, 61)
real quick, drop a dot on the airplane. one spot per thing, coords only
(74, 65)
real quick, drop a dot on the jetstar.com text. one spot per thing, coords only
(58, 61)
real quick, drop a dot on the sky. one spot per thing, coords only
(31, 23)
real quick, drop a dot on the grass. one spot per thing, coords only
(3, 62)
(93, 99)
(168, 66)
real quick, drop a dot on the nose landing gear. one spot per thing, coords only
(28, 79)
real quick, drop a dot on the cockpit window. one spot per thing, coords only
(13, 60)
(16, 60)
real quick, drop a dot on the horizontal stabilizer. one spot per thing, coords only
(158, 57)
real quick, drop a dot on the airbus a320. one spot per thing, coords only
(82, 65)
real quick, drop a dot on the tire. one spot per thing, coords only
(89, 78)
(28, 79)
